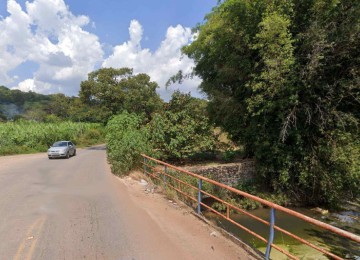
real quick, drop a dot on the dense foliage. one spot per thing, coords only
(15, 105)
(182, 129)
(18, 97)
(177, 130)
(28, 136)
(72, 108)
(283, 78)
(15, 102)
(117, 90)
(126, 139)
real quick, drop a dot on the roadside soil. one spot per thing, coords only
(178, 221)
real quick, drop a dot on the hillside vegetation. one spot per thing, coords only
(28, 136)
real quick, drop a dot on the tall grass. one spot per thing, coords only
(29, 136)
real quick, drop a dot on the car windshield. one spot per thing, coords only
(60, 144)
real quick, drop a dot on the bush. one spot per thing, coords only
(228, 156)
(91, 136)
(183, 130)
(126, 140)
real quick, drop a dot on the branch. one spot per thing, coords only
(290, 120)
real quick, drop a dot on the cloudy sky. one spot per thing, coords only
(49, 46)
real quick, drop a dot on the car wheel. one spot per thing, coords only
(74, 153)
(50, 158)
(67, 155)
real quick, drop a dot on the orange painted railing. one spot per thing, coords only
(166, 177)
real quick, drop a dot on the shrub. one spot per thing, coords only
(183, 130)
(126, 140)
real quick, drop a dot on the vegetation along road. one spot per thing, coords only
(76, 209)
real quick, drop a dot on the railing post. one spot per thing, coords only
(165, 170)
(199, 196)
(271, 236)
(145, 166)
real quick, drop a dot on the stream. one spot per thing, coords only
(348, 220)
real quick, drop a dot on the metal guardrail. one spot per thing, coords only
(151, 168)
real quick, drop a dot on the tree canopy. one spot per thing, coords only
(117, 90)
(283, 78)
(182, 129)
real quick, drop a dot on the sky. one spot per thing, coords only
(50, 46)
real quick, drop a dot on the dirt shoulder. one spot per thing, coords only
(175, 219)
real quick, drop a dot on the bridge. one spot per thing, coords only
(76, 209)
(192, 188)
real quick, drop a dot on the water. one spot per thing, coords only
(349, 221)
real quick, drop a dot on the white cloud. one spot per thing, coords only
(27, 85)
(165, 62)
(48, 34)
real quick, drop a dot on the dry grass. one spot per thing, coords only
(224, 141)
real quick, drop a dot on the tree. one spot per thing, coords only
(35, 110)
(59, 105)
(283, 79)
(82, 112)
(16, 102)
(182, 129)
(118, 89)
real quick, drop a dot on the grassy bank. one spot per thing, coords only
(29, 137)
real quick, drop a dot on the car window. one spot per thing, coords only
(60, 144)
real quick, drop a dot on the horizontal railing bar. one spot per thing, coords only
(307, 243)
(251, 232)
(235, 223)
(183, 193)
(172, 177)
(286, 232)
(238, 209)
(153, 175)
(265, 202)
(275, 227)
(251, 215)
(214, 197)
(178, 190)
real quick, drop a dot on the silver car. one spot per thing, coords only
(62, 149)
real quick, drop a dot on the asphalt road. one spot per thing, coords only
(75, 209)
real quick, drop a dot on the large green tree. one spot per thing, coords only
(117, 90)
(283, 78)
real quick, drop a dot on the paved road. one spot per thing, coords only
(75, 209)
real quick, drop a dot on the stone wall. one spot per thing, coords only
(229, 174)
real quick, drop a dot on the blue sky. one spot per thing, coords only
(49, 46)
(112, 17)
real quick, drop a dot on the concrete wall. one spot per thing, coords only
(229, 174)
